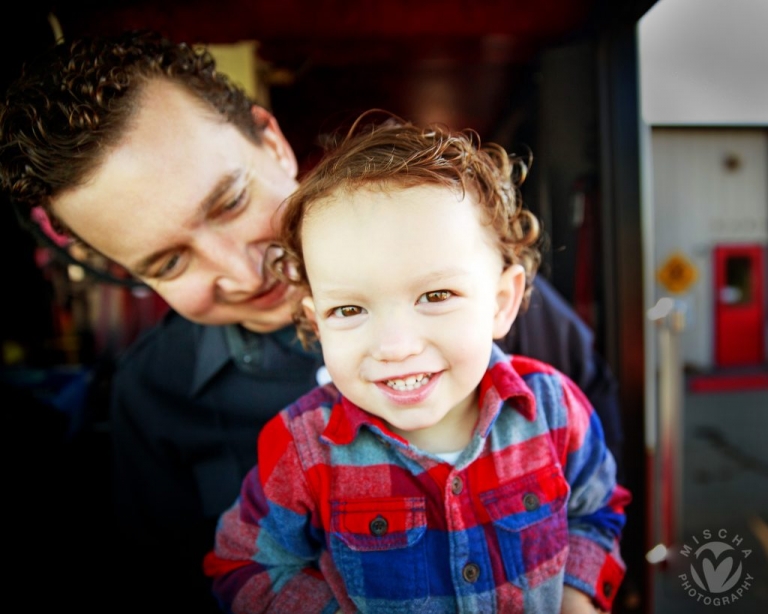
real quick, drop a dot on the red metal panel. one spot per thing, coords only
(739, 305)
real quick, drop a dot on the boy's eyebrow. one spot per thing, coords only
(440, 275)
(431, 278)
(202, 211)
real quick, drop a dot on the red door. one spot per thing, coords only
(739, 305)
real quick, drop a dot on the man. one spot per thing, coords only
(140, 150)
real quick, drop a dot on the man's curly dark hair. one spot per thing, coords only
(75, 101)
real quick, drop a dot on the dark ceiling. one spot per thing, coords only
(469, 63)
(311, 24)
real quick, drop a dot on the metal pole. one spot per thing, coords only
(667, 483)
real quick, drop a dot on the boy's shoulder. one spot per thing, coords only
(301, 424)
(527, 368)
(556, 394)
(320, 398)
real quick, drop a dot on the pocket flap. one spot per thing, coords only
(522, 503)
(379, 524)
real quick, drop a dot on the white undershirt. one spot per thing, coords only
(449, 457)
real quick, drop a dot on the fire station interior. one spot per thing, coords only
(559, 77)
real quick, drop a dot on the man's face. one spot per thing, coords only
(189, 204)
(408, 293)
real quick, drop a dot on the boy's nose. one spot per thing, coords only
(396, 339)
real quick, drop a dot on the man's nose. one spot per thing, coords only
(396, 337)
(238, 268)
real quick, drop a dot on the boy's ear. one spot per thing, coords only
(508, 299)
(273, 140)
(308, 304)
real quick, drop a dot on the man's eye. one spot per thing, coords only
(169, 266)
(347, 311)
(233, 204)
(436, 296)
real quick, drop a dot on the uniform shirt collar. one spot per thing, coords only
(216, 346)
(501, 383)
(212, 354)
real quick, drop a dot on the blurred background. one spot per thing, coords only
(648, 121)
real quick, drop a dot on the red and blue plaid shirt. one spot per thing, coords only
(341, 513)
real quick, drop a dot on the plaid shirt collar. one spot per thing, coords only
(501, 383)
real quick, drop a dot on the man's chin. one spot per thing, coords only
(269, 320)
(261, 314)
(272, 299)
(260, 326)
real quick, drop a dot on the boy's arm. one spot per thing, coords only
(576, 602)
(265, 558)
(596, 505)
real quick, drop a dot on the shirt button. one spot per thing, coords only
(378, 526)
(457, 485)
(531, 502)
(607, 589)
(247, 358)
(471, 572)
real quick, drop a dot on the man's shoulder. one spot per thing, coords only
(170, 344)
(171, 325)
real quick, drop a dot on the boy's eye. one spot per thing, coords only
(347, 311)
(436, 296)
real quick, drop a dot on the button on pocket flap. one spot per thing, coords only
(379, 524)
(524, 502)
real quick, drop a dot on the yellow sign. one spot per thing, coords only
(677, 273)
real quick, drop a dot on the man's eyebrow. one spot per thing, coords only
(202, 211)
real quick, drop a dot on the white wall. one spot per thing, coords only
(704, 62)
(699, 202)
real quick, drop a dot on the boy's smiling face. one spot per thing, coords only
(408, 293)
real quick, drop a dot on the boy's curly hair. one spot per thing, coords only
(76, 100)
(394, 152)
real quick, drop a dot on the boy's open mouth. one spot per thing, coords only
(412, 382)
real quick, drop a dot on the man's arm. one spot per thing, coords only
(155, 503)
(551, 331)
(267, 546)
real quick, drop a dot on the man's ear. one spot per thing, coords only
(273, 139)
(508, 299)
(308, 304)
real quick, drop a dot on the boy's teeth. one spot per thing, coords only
(409, 383)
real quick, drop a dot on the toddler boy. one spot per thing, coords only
(435, 473)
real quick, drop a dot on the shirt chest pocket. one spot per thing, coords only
(379, 548)
(529, 516)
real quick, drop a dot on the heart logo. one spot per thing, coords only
(716, 568)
